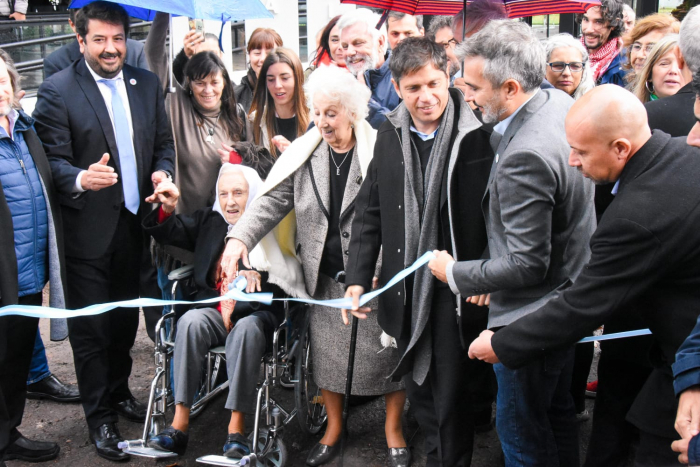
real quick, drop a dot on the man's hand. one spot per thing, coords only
(17, 16)
(480, 300)
(281, 143)
(99, 175)
(355, 292)
(681, 447)
(235, 250)
(688, 415)
(166, 193)
(191, 41)
(481, 348)
(438, 266)
(253, 280)
(158, 177)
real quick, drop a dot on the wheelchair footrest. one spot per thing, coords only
(137, 448)
(219, 460)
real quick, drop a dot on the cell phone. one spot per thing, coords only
(197, 25)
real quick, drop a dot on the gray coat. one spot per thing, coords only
(539, 215)
(303, 191)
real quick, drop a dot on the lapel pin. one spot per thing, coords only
(359, 180)
(132, 82)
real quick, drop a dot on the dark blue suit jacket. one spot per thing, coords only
(74, 125)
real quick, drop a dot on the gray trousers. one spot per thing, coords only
(199, 330)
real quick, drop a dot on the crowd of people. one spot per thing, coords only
(556, 182)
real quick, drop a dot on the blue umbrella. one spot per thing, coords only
(217, 10)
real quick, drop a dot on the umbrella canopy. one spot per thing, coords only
(515, 8)
(217, 10)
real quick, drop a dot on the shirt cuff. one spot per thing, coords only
(78, 188)
(162, 215)
(451, 278)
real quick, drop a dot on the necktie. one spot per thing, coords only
(127, 158)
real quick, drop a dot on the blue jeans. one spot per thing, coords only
(39, 368)
(535, 415)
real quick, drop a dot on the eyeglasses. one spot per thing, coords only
(647, 48)
(451, 42)
(559, 67)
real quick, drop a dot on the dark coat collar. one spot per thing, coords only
(643, 157)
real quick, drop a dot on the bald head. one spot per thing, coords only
(612, 111)
(605, 128)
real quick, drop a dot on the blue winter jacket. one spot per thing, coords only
(24, 193)
(615, 74)
(384, 97)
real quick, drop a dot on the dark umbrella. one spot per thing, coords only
(514, 8)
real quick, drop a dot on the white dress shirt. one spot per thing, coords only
(107, 96)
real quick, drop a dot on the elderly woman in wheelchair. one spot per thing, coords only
(245, 328)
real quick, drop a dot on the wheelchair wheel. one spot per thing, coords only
(272, 452)
(216, 365)
(311, 411)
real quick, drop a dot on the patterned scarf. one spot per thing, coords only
(601, 59)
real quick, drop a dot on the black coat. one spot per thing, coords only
(8, 260)
(674, 114)
(646, 249)
(204, 232)
(379, 217)
(73, 123)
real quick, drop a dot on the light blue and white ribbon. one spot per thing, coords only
(236, 292)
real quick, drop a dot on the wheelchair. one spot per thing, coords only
(287, 365)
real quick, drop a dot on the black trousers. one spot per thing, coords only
(454, 389)
(619, 382)
(17, 335)
(101, 343)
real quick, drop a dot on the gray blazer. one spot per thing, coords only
(539, 215)
(303, 191)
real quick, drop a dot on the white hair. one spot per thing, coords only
(340, 87)
(559, 41)
(369, 19)
(628, 9)
(689, 40)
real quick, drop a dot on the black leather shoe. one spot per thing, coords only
(131, 409)
(54, 389)
(170, 440)
(106, 438)
(399, 457)
(322, 454)
(31, 451)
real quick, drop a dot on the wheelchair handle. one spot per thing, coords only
(181, 273)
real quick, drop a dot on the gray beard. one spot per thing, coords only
(370, 64)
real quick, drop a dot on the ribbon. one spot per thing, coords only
(236, 292)
(615, 335)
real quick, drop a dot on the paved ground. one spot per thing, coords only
(64, 423)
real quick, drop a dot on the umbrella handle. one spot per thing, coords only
(171, 54)
(348, 386)
(385, 15)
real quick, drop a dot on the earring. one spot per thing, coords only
(651, 91)
(352, 126)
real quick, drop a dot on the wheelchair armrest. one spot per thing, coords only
(181, 273)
